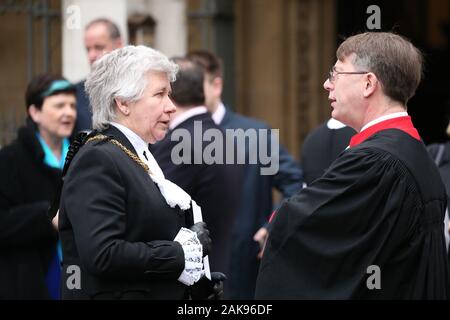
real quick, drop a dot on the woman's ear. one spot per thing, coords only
(122, 106)
(34, 113)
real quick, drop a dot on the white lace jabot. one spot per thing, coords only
(173, 194)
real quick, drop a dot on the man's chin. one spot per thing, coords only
(335, 115)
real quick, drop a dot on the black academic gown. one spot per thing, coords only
(382, 204)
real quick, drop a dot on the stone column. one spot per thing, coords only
(171, 29)
(76, 14)
(171, 26)
(283, 51)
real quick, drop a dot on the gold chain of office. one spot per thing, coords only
(133, 156)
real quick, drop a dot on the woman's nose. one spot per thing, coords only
(70, 110)
(170, 106)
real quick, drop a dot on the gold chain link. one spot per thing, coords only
(124, 149)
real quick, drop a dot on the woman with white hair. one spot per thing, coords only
(121, 222)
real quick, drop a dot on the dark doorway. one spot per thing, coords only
(426, 24)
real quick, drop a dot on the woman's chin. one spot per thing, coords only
(159, 136)
(64, 134)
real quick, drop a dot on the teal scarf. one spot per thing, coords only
(49, 157)
(54, 271)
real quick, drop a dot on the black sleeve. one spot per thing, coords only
(289, 178)
(287, 174)
(21, 223)
(217, 192)
(94, 197)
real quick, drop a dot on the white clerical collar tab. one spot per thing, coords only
(335, 124)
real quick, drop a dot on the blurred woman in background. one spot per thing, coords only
(30, 171)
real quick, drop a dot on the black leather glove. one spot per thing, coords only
(203, 236)
(206, 289)
(217, 278)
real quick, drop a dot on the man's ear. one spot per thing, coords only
(122, 106)
(218, 85)
(34, 113)
(118, 43)
(370, 85)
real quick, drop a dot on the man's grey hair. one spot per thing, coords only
(121, 74)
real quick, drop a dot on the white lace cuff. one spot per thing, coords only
(193, 256)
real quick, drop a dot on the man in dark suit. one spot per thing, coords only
(256, 204)
(214, 186)
(100, 36)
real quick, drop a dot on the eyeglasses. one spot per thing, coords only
(333, 73)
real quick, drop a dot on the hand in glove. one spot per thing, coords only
(203, 236)
(206, 289)
(217, 292)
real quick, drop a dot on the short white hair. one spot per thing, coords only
(122, 74)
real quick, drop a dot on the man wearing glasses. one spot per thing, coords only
(371, 226)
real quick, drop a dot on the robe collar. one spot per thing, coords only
(402, 123)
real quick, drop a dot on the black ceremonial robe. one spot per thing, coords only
(381, 203)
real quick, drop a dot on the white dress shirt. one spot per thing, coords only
(218, 115)
(186, 115)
